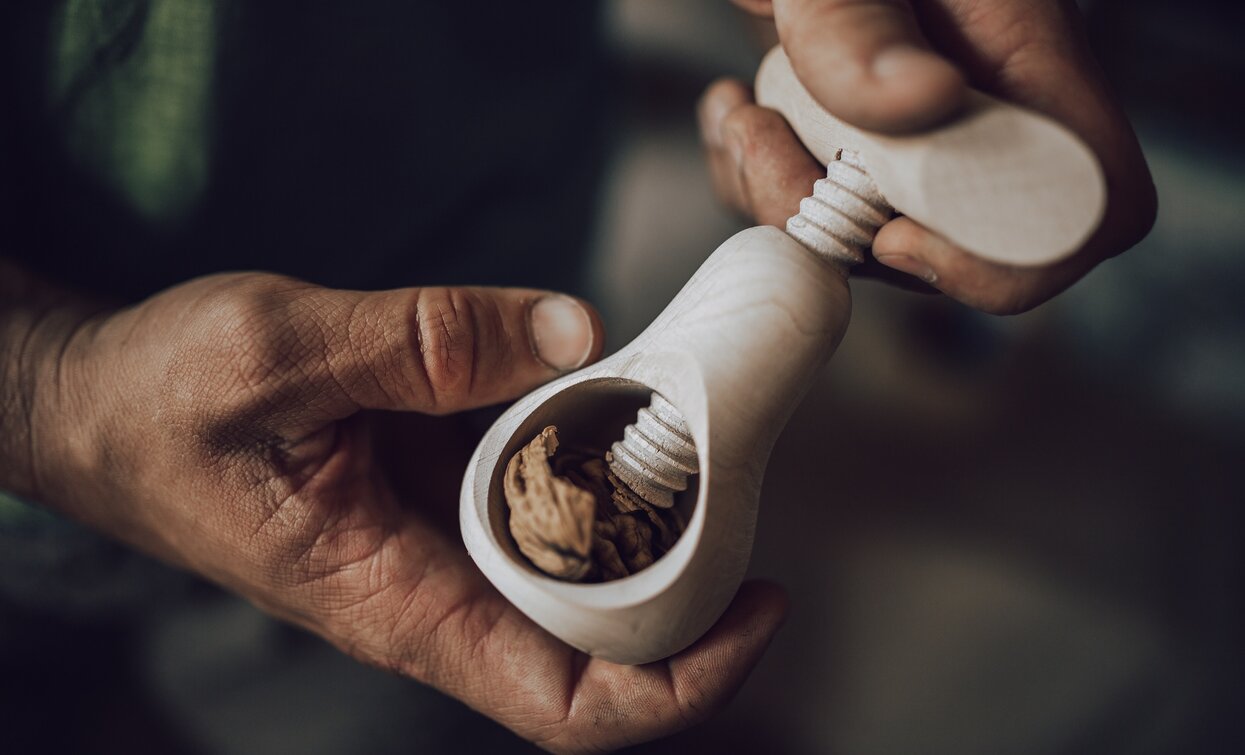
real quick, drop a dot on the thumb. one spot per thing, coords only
(444, 350)
(867, 62)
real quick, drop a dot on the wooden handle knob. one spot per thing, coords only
(1007, 184)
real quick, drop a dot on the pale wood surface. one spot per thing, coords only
(1002, 182)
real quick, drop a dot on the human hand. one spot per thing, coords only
(902, 66)
(233, 426)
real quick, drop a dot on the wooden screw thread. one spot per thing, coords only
(838, 222)
(657, 453)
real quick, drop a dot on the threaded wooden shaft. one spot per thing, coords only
(657, 453)
(844, 213)
(838, 222)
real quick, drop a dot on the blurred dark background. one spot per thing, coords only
(1030, 539)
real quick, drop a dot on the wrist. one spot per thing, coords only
(43, 429)
(65, 419)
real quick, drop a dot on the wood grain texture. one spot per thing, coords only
(1004, 183)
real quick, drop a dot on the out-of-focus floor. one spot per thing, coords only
(999, 535)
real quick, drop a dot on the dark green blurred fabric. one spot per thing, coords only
(361, 144)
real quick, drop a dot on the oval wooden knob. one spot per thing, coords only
(1004, 183)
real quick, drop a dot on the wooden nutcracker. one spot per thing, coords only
(691, 408)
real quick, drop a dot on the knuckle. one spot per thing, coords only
(1140, 220)
(1010, 295)
(774, 171)
(1006, 307)
(989, 287)
(254, 336)
(751, 128)
(242, 351)
(447, 334)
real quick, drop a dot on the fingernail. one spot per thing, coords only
(910, 265)
(902, 62)
(561, 332)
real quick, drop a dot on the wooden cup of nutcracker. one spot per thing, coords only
(691, 408)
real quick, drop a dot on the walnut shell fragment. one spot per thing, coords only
(550, 518)
(575, 520)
